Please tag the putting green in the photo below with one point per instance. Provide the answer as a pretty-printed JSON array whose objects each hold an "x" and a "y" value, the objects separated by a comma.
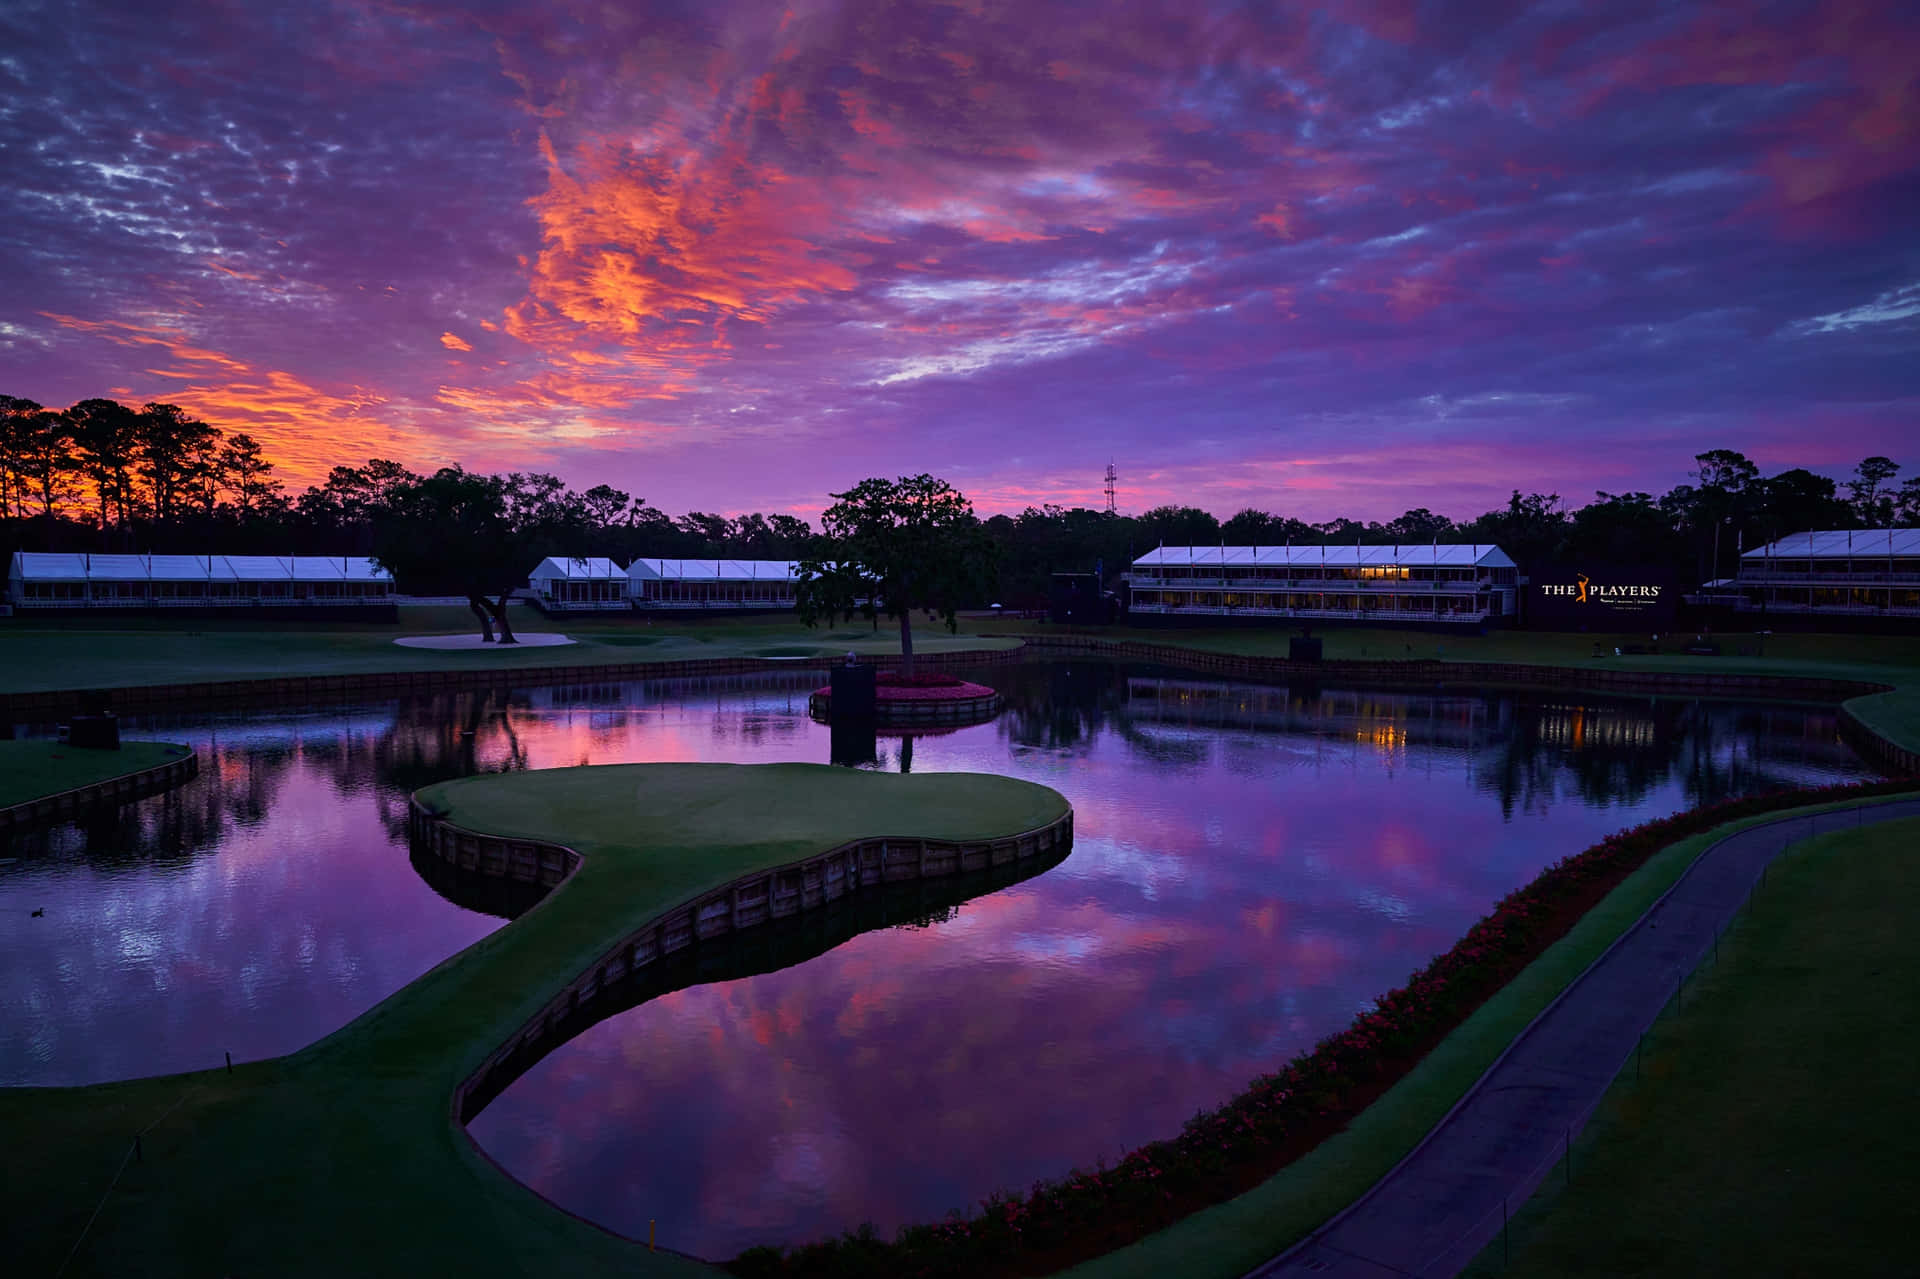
[{"x": 344, "y": 1158}]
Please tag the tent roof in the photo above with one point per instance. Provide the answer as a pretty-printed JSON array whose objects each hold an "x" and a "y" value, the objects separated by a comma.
[
  {"x": 578, "y": 568},
  {"x": 39, "y": 566},
  {"x": 713, "y": 570},
  {"x": 1839, "y": 544},
  {"x": 1413, "y": 555}
]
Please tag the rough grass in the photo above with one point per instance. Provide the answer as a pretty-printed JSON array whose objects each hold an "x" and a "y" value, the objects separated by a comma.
[
  {"x": 342, "y": 1158},
  {"x": 37, "y": 768},
  {"x": 1772, "y": 1129},
  {"x": 37, "y": 656},
  {"x": 1229, "y": 1239}
]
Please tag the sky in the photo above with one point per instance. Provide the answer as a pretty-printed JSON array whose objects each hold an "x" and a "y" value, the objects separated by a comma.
[{"x": 734, "y": 256}]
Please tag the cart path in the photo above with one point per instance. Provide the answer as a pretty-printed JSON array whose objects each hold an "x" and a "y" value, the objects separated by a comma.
[{"x": 1434, "y": 1212}]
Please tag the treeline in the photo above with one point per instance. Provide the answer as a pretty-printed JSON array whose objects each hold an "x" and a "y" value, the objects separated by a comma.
[{"x": 101, "y": 476}]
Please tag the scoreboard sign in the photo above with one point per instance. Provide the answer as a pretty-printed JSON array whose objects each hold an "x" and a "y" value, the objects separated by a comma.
[{"x": 1602, "y": 597}]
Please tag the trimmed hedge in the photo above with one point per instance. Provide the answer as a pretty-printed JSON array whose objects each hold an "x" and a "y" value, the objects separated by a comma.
[{"x": 1279, "y": 1116}]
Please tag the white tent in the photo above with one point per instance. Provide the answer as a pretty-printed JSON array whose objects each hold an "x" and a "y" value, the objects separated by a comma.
[
  {"x": 578, "y": 581},
  {"x": 669, "y": 583},
  {"x": 38, "y": 579}
]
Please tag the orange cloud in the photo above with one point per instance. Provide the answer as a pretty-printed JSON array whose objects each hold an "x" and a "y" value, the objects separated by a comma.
[
  {"x": 453, "y": 343},
  {"x": 306, "y": 430}
]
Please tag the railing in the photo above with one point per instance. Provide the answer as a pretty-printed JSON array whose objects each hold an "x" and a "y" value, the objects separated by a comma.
[
  {"x": 1749, "y": 576},
  {"x": 1410, "y": 614},
  {"x": 1862, "y": 610},
  {"x": 203, "y": 601},
  {"x": 1141, "y": 581}
]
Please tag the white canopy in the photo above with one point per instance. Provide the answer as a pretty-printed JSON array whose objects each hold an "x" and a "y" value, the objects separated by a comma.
[
  {"x": 1411, "y": 555},
  {"x": 578, "y": 568},
  {"x": 1840, "y": 544},
  {"x": 711, "y": 570},
  {"x": 43, "y": 566}
]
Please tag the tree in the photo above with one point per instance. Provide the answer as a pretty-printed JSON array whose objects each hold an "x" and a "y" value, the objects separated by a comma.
[
  {"x": 245, "y": 471},
  {"x": 894, "y": 547},
  {"x": 1179, "y": 526},
  {"x": 43, "y": 455},
  {"x": 172, "y": 446},
  {"x": 607, "y": 506},
  {"x": 478, "y": 534},
  {"x": 1906, "y": 504},
  {"x": 106, "y": 437},
  {"x": 1418, "y": 525},
  {"x": 1872, "y": 509}
]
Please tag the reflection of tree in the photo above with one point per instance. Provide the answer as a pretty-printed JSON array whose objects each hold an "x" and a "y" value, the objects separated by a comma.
[
  {"x": 1057, "y": 705},
  {"x": 442, "y": 736}
]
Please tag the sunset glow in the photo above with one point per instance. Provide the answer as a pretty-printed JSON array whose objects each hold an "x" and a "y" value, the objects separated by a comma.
[{"x": 731, "y": 256}]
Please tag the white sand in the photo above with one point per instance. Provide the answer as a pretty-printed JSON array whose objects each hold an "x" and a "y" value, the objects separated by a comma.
[{"x": 471, "y": 639}]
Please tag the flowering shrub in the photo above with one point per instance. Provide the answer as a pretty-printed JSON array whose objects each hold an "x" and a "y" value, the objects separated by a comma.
[
  {"x": 1282, "y": 1115},
  {"x": 925, "y": 679}
]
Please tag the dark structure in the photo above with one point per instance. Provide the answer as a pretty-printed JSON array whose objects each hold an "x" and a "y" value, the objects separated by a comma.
[
  {"x": 1077, "y": 600},
  {"x": 1592, "y": 596}
]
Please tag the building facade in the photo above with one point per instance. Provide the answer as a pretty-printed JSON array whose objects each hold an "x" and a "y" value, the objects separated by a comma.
[
  {"x": 565, "y": 583},
  {"x": 55, "y": 580},
  {"x": 1460, "y": 584},
  {"x": 1843, "y": 573},
  {"x": 743, "y": 585}
]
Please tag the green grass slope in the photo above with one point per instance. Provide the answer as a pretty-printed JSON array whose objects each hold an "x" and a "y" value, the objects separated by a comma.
[
  {"x": 36, "y": 768},
  {"x": 342, "y": 1158},
  {"x": 1772, "y": 1128}
]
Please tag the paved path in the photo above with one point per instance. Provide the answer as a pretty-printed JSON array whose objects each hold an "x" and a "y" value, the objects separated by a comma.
[{"x": 1443, "y": 1203}]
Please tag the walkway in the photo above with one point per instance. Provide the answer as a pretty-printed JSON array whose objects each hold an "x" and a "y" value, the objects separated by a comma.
[{"x": 1446, "y": 1201}]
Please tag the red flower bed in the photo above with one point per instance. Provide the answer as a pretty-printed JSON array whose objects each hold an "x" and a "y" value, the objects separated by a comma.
[
  {"x": 926, "y": 679},
  {"x": 1280, "y": 1116}
]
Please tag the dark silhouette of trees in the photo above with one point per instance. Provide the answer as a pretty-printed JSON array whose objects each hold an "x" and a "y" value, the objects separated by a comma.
[{"x": 895, "y": 547}]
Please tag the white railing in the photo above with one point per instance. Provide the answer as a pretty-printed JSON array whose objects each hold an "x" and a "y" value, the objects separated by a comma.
[{"x": 1387, "y": 614}]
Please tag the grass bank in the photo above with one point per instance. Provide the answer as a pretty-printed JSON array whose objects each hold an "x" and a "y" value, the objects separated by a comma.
[
  {"x": 1229, "y": 1239},
  {"x": 36, "y": 768},
  {"x": 1771, "y": 1130},
  {"x": 38, "y": 656},
  {"x": 342, "y": 1158}
]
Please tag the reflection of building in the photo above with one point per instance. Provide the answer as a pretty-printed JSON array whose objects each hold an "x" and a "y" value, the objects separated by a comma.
[
  {"x": 1381, "y": 719},
  {"x": 1457, "y": 583},
  {"x": 571, "y": 583},
  {"x": 716, "y": 584},
  {"x": 78, "y": 581},
  {"x": 1857, "y": 572}
]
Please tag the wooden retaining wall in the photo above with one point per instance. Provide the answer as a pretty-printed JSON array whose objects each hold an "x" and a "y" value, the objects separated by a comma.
[
  {"x": 114, "y": 791},
  {"x": 752, "y": 899},
  {"x": 1889, "y": 757},
  {"x": 302, "y": 690}
]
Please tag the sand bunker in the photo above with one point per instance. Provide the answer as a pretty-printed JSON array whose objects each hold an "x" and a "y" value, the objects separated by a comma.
[{"x": 471, "y": 639}]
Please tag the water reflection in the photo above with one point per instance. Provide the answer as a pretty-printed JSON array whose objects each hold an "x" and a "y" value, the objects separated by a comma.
[{"x": 1250, "y": 865}]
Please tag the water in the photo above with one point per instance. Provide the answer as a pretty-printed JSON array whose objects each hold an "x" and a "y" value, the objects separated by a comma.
[{"x": 1251, "y": 866}]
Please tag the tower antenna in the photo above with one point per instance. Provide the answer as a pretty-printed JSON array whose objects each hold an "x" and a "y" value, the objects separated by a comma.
[{"x": 1112, "y": 476}]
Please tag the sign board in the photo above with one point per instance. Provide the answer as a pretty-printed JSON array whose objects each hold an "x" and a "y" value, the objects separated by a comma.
[{"x": 1577, "y": 596}]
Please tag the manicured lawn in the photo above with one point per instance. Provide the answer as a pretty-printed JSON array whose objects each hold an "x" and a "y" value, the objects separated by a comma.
[
  {"x": 1226, "y": 1241},
  {"x": 36, "y": 768},
  {"x": 1773, "y": 1128},
  {"x": 341, "y": 1158},
  {"x": 90, "y": 653}
]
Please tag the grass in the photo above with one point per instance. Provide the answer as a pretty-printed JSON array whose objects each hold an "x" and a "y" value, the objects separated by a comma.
[
  {"x": 38, "y": 768},
  {"x": 1772, "y": 1130},
  {"x": 125, "y": 653},
  {"x": 341, "y": 1158},
  {"x": 1229, "y": 1239}
]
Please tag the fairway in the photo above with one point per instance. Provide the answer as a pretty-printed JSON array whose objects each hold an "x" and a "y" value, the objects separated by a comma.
[{"x": 1772, "y": 1130}]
